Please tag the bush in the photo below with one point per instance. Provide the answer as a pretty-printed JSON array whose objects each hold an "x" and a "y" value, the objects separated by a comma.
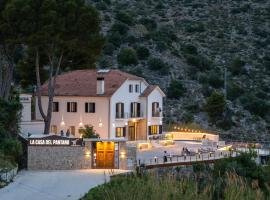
[
  {"x": 115, "y": 38},
  {"x": 176, "y": 89},
  {"x": 236, "y": 66},
  {"x": 156, "y": 64},
  {"x": 108, "y": 48},
  {"x": 127, "y": 56},
  {"x": 189, "y": 49},
  {"x": 150, "y": 24},
  {"x": 200, "y": 62},
  {"x": 187, "y": 118},
  {"x": 88, "y": 132},
  {"x": 215, "y": 80},
  {"x": 215, "y": 106},
  {"x": 142, "y": 52},
  {"x": 124, "y": 17},
  {"x": 234, "y": 91},
  {"x": 255, "y": 105},
  {"x": 120, "y": 28}
]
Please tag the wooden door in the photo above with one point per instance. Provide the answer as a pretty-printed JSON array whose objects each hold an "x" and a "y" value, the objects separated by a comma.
[{"x": 105, "y": 155}]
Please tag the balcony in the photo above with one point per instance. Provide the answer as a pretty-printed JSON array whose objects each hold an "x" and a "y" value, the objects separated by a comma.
[
  {"x": 121, "y": 115},
  {"x": 156, "y": 114},
  {"x": 136, "y": 115}
]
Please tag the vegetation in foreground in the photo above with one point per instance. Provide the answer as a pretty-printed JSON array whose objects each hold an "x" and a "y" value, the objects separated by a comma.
[{"x": 230, "y": 179}]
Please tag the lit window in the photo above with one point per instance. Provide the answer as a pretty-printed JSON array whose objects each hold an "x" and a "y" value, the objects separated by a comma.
[
  {"x": 154, "y": 129},
  {"x": 90, "y": 107},
  {"x": 71, "y": 106},
  {"x": 120, "y": 131},
  {"x": 55, "y": 107}
]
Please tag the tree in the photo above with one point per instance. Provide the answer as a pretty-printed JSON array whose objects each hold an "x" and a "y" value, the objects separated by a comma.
[
  {"x": 142, "y": 52},
  {"x": 88, "y": 132},
  {"x": 8, "y": 53},
  {"x": 127, "y": 56},
  {"x": 176, "y": 89},
  {"x": 215, "y": 106},
  {"x": 56, "y": 33}
]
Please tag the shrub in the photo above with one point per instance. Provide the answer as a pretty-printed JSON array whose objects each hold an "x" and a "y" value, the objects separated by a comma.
[
  {"x": 150, "y": 24},
  {"x": 255, "y": 105},
  {"x": 215, "y": 105},
  {"x": 236, "y": 66},
  {"x": 187, "y": 118},
  {"x": 124, "y": 17},
  {"x": 215, "y": 80},
  {"x": 127, "y": 56},
  {"x": 189, "y": 49},
  {"x": 120, "y": 28},
  {"x": 142, "y": 52},
  {"x": 200, "y": 62},
  {"x": 156, "y": 64},
  {"x": 115, "y": 38},
  {"x": 108, "y": 48},
  {"x": 88, "y": 132},
  {"x": 176, "y": 89},
  {"x": 234, "y": 91}
]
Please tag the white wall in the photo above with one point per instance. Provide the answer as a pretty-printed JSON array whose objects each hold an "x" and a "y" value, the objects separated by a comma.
[
  {"x": 122, "y": 95},
  {"x": 32, "y": 127},
  {"x": 74, "y": 118},
  {"x": 155, "y": 96},
  {"x": 25, "y": 100}
]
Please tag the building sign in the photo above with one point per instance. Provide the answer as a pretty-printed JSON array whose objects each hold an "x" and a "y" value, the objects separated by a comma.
[{"x": 55, "y": 140}]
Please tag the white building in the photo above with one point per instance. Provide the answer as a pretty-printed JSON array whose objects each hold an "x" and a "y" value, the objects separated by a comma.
[{"x": 115, "y": 103}]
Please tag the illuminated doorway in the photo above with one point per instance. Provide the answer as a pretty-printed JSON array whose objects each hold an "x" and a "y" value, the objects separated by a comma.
[{"x": 104, "y": 155}]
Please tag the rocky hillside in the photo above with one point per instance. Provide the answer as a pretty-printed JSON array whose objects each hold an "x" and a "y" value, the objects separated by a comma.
[{"x": 189, "y": 47}]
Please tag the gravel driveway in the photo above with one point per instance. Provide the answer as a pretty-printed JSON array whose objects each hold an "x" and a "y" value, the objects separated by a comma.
[{"x": 54, "y": 185}]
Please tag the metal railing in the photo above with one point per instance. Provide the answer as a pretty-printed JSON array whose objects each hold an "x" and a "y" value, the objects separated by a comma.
[
  {"x": 156, "y": 114},
  {"x": 136, "y": 115},
  {"x": 182, "y": 159}
]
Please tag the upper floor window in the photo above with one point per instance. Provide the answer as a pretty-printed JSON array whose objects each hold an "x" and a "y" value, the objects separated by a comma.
[
  {"x": 90, "y": 107},
  {"x": 71, "y": 106},
  {"x": 55, "y": 107},
  {"x": 155, "y": 109},
  {"x": 130, "y": 88},
  {"x": 135, "y": 109},
  {"x": 119, "y": 110},
  {"x": 137, "y": 88}
]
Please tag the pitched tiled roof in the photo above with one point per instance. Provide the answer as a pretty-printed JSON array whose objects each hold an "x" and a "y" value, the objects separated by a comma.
[
  {"x": 149, "y": 90},
  {"x": 84, "y": 82}
]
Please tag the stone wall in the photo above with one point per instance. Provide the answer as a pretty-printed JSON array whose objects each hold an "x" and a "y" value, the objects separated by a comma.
[{"x": 58, "y": 158}]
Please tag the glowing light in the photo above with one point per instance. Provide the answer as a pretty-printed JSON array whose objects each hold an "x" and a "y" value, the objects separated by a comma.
[
  {"x": 149, "y": 123},
  {"x": 126, "y": 123},
  {"x": 62, "y": 122},
  {"x": 113, "y": 124},
  {"x": 122, "y": 155},
  {"x": 87, "y": 153},
  {"x": 100, "y": 124}
]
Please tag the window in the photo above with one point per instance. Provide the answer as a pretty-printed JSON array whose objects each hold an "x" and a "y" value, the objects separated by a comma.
[
  {"x": 135, "y": 109},
  {"x": 137, "y": 88},
  {"x": 130, "y": 88},
  {"x": 120, "y": 132},
  {"x": 55, "y": 107},
  {"x": 72, "y": 130},
  {"x": 155, "y": 109},
  {"x": 54, "y": 129},
  {"x": 90, "y": 107},
  {"x": 119, "y": 110},
  {"x": 155, "y": 129},
  {"x": 71, "y": 106}
]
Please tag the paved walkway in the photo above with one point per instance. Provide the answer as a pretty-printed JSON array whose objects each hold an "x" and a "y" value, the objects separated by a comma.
[{"x": 54, "y": 185}]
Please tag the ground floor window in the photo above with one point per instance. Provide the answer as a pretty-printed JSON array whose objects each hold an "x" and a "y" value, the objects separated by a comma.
[
  {"x": 154, "y": 129},
  {"x": 120, "y": 131}
]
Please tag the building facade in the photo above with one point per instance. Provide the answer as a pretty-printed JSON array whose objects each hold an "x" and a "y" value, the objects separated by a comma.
[{"x": 115, "y": 103}]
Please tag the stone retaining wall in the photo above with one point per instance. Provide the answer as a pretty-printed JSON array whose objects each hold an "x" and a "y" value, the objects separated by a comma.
[{"x": 58, "y": 158}]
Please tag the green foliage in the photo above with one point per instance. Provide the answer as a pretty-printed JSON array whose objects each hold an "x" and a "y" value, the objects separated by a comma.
[
  {"x": 88, "y": 132},
  {"x": 150, "y": 24},
  {"x": 176, "y": 89},
  {"x": 255, "y": 105},
  {"x": 55, "y": 28},
  {"x": 157, "y": 64},
  {"x": 201, "y": 62},
  {"x": 124, "y": 17},
  {"x": 189, "y": 49},
  {"x": 187, "y": 118},
  {"x": 236, "y": 66},
  {"x": 120, "y": 28},
  {"x": 108, "y": 48},
  {"x": 215, "y": 105},
  {"x": 10, "y": 147},
  {"x": 142, "y": 52},
  {"x": 127, "y": 56},
  {"x": 234, "y": 91}
]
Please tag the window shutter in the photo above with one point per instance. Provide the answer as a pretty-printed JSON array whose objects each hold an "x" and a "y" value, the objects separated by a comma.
[
  {"x": 68, "y": 106},
  {"x": 94, "y": 107},
  {"x": 160, "y": 129},
  {"x": 124, "y": 131},
  {"x": 75, "y": 106},
  {"x": 86, "y": 107},
  {"x": 131, "y": 108},
  {"x": 139, "y": 109},
  {"x": 122, "y": 109},
  {"x": 149, "y": 130},
  {"x": 153, "y": 108}
]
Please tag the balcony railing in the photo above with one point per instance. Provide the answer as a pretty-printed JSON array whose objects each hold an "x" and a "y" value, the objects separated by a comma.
[
  {"x": 121, "y": 115},
  {"x": 156, "y": 114},
  {"x": 136, "y": 115}
]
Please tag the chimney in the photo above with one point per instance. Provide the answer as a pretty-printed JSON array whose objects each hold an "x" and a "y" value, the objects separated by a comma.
[{"x": 100, "y": 85}]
